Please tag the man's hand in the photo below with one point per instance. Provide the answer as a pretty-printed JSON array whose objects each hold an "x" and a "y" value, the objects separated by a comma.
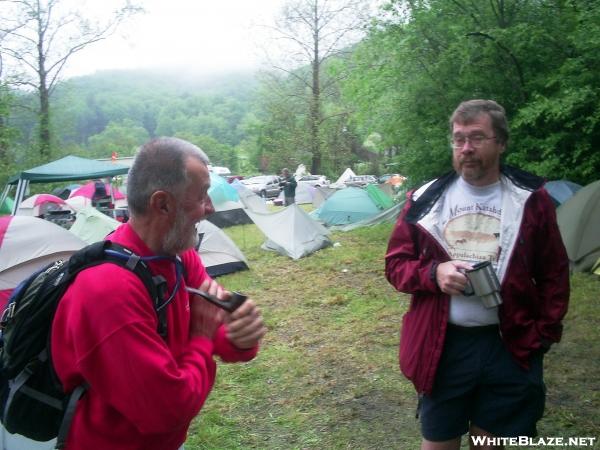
[
  {"x": 205, "y": 317},
  {"x": 245, "y": 327},
  {"x": 449, "y": 278}
]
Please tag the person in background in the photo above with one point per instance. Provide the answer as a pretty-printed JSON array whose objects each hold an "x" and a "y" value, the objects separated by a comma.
[
  {"x": 478, "y": 370},
  {"x": 144, "y": 390},
  {"x": 288, "y": 183}
]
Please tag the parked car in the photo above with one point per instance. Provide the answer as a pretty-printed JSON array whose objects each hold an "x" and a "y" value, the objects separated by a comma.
[
  {"x": 267, "y": 186},
  {"x": 314, "y": 180},
  {"x": 361, "y": 180}
]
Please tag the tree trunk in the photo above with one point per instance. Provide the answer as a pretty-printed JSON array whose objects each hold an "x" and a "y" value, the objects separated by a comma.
[{"x": 315, "y": 101}]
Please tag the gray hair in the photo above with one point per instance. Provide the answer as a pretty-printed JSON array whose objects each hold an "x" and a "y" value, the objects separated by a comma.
[
  {"x": 159, "y": 164},
  {"x": 468, "y": 111}
]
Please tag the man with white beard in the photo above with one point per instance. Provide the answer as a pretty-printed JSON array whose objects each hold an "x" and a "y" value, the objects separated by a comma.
[{"x": 144, "y": 389}]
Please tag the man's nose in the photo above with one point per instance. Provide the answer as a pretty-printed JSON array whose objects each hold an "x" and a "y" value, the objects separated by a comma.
[{"x": 209, "y": 208}]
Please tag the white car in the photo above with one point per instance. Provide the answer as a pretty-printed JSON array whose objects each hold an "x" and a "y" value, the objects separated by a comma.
[
  {"x": 267, "y": 186},
  {"x": 314, "y": 180}
]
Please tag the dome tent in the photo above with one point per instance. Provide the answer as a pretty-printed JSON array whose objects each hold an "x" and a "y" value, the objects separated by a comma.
[
  {"x": 346, "y": 206},
  {"x": 579, "y": 221}
]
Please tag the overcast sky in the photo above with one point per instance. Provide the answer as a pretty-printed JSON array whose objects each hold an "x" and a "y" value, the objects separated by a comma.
[{"x": 206, "y": 35}]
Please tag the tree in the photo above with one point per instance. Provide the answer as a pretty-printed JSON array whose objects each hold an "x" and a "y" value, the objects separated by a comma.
[
  {"x": 315, "y": 31},
  {"x": 40, "y": 36},
  {"x": 535, "y": 58}
]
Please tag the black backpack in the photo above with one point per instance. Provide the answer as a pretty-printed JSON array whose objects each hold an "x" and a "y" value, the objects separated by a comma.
[{"x": 32, "y": 400}]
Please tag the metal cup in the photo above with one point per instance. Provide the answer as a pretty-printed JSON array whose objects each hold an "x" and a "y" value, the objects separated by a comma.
[{"x": 484, "y": 283}]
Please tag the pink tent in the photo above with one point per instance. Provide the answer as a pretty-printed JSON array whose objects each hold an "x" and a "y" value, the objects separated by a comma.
[
  {"x": 40, "y": 204},
  {"x": 28, "y": 244},
  {"x": 88, "y": 190}
]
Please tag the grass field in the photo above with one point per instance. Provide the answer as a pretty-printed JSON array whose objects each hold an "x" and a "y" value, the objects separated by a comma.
[{"x": 327, "y": 375}]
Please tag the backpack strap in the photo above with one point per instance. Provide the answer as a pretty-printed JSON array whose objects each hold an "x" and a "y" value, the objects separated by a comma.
[
  {"x": 100, "y": 253},
  {"x": 65, "y": 425}
]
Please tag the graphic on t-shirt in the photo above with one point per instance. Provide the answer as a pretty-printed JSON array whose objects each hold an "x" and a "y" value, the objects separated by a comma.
[{"x": 473, "y": 237}]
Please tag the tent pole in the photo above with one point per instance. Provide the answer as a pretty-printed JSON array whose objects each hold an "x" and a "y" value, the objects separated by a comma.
[{"x": 21, "y": 189}]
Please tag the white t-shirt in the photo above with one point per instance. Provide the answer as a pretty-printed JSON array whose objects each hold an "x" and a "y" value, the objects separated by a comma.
[{"x": 470, "y": 226}]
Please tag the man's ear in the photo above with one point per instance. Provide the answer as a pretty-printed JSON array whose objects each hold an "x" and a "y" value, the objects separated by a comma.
[{"x": 162, "y": 203}]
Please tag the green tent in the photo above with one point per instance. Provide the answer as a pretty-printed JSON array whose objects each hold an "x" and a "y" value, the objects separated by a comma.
[
  {"x": 579, "y": 223},
  {"x": 380, "y": 198},
  {"x": 69, "y": 168},
  {"x": 6, "y": 206}
]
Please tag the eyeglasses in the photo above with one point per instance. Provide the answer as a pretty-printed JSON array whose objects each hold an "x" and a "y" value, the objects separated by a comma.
[{"x": 476, "y": 140}]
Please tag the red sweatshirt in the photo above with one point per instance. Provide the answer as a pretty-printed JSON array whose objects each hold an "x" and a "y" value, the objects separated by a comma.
[{"x": 144, "y": 392}]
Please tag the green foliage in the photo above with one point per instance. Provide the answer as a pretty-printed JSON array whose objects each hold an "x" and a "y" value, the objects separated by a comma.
[
  {"x": 122, "y": 138},
  {"x": 538, "y": 59}
]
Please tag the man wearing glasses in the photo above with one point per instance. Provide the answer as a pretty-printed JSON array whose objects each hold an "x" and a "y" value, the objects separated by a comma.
[{"x": 478, "y": 369}]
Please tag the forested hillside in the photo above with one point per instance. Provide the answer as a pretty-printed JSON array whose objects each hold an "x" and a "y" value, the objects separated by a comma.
[
  {"x": 117, "y": 111},
  {"x": 379, "y": 104}
]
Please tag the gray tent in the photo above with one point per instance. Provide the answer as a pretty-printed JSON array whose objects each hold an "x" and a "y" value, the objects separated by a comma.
[
  {"x": 579, "y": 222},
  {"x": 291, "y": 232},
  {"x": 69, "y": 168},
  {"x": 219, "y": 253}
]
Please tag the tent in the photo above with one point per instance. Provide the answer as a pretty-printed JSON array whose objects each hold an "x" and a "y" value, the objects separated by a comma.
[
  {"x": 304, "y": 195},
  {"x": 322, "y": 193},
  {"x": 561, "y": 190},
  {"x": 229, "y": 210},
  {"x": 340, "y": 182},
  {"x": 291, "y": 232},
  {"x": 220, "y": 190},
  {"x": 388, "y": 215},
  {"x": 92, "y": 226},
  {"x": 39, "y": 204},
  {"x": 69, "y": 168},
  {"x": 579, "y": 222},
  {"x": 228, "y": 214},
  {"x": 6, "y": 206},
  {"x": 88, "y": 190},
  {"x": 28, "y": 244},
  {"x": 346, "y": 206},
  {"x": 596, "y": 267},
  {"x": 379, "y": 197},
  {"x": 219, "y": 253},
  {"x": 249, "y": 199}
]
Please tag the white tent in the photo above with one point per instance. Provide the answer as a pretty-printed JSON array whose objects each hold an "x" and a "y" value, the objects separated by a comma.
[
  {"x": 219, "y": 253},
  {"x": 28, "y": 244},
  {"x": 348, "y": 173},
  {"x": 92, "y": 226},
  {"x": 304, "y": 194},
  {"x": 39, "y": 204},
  {"x": 291, "y": 232},
  {"x": 249, "y": 199}
]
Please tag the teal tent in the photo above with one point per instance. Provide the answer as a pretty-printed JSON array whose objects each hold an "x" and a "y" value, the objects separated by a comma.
[
  {"x": 69, "y": 168},
  {"x": 220, "y": 190},
  {"x": 346, "y": 206}
]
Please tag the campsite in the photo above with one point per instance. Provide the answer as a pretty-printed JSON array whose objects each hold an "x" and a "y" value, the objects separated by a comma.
[
  {"x": 327, "y": 375},
  {"x": 372, "y": 106}
]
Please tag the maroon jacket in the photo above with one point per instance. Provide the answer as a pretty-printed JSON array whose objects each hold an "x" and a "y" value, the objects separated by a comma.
[{"x": 533, "y": 271}]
